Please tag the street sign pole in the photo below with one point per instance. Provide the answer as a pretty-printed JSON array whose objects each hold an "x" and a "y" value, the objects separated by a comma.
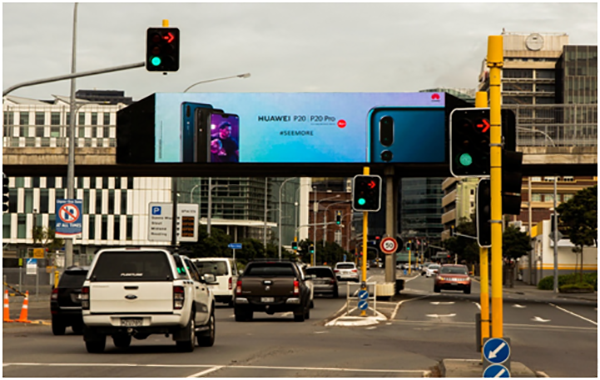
[
  {"x": 363, "y": 313},
  {"x": 495, "y": 62}
]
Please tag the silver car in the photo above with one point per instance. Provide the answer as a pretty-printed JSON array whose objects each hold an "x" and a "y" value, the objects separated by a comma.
[
  {"x": 346, "y": 271},
  {"x": 324, "y": 280}
]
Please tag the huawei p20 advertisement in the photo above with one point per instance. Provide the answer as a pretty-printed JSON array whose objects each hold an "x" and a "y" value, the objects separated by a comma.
[{"x": 283, "y": 128}]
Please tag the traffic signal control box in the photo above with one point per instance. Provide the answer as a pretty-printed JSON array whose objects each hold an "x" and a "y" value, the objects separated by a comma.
[
  {"x": 162, "y": 49},
  {"x": 366, "y": 193}
]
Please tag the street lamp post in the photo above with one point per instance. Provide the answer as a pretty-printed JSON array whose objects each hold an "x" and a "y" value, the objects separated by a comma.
[
  {"x": 246, "y": 75},
  {"x": 209, "y": 213},
  {"x": 279, "y": 227},
  {"x": 325, "y": 219}
]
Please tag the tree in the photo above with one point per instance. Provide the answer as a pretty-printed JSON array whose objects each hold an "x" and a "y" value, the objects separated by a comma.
[
  {"x": 515, "y": 243},
  {"x": 579, "y": 216},
  {"x": 466, "y": 248},
  {"x": 46, "y": 237}
]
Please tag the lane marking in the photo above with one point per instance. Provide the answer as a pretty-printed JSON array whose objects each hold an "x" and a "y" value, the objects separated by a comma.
[
  {"x": 205, "y": 372},
  {"x": 401, "y": 302},
  {"x": 513, "y": 325},
  {"x": 371, "y": 328},
  {"x": 577, "y": 315},
  {"x": 440, "y": 315},
  {"x": 442, "y": 303},
  {"x": 519, "y": 306},
  {"x": 538, "y": 319},
  {"x": 541, "y": 374},
  {"x": 478, "y": 305},
  {"x": 321, "y": 332},
  {"x": 214, "y": 367}
]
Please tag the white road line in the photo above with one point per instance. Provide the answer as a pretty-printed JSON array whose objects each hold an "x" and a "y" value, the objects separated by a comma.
[
  {"x": 321, "y": 332},
  {"x": 519, "y": 306},
  {"x": 371, "y": 328},
  {"x": 214, "y": 367},
  {"x": 440, "y": 315},
  {"x": 205, "y": 372},
  {"x": 577, "y": 315},
  {"x": 541, "y": 374},
  {"x": 539, "y": 319},
  {"x": 400, "y": 303},
  {"x": 478, "y": 305},
  {"x": 442, "y": 303},
  {"x": 508, "y": 325}
]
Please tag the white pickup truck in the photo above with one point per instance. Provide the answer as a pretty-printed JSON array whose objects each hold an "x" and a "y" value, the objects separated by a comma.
[{"x": 135, "y": 292}]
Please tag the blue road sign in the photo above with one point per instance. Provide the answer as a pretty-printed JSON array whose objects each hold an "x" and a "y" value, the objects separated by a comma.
[
  {"x": 496, "y": 370},
  {"x": 362, "y": 305},
  {"x": 69, "y": 221},
  {"x": 344, "y": 257},
  {"x": 235, "y": 245},
  {"x": 156, "y": 210},
  {"x": 363, "y": 294},
  {"x": 496, "y": 350}
]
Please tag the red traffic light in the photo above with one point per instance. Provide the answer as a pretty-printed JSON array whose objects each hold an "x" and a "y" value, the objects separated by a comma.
[{"x": 484, "y": 125}]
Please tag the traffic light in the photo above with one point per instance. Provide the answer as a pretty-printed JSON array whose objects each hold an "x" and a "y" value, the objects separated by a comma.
[
  {"x": 5, "y": 197},
  {"x": 312, "y": 249},
  {"x": 162, "y": 49},
  {"x": 295, "y": 245},
  {"x": 470, "y": 142},
  {"x": 338, "y": 217},
  {"x": 512, "y": 175},
  {"x": 366, "y": 193},
  {"x": 483, "y": 214}
]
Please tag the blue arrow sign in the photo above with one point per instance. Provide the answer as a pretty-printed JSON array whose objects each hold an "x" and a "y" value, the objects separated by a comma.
[
  {"x": 362, "y": 305},
  {"x": 363, "y": 294},
  {"x": 235, "y": 245},
  {"x": 496, "y": 370},
  {"x": 496, "y": 350}
]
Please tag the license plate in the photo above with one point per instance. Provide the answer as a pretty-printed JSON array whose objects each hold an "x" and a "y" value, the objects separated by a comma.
[
  {"x": 131, "y": 322},
  {"x": 267, "y": 299}
]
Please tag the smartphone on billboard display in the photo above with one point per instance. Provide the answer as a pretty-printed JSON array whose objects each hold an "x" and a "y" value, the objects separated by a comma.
[
  {"x": 188, "y": 129},
  {"x": 224, "y": 145},
  {"x": 203, "y": 128},
  {"x": 407, "y": 134}
]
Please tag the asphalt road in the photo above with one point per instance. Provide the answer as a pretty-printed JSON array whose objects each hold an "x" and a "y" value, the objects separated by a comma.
[{"x": 557, "y": 338}]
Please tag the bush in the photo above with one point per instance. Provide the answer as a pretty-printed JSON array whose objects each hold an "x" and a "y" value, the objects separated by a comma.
[
  {"x": 578, "y": 286},
  {"x": 547, "y": 283}
]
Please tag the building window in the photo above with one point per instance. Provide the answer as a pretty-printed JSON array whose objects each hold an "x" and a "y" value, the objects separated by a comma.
[
  {"x": 44, "y": 201},
  {"x": 12, "y": 204},
  {"x": 548, "y": 197},
  {"x": 105, "y": 182},
  {"x": 517, "y": 73},
  {"x": 544, "y": 87},
  {"x": 35, "y": 182},
  {"x": 548, "y": 179},
  {"x": 92, "y": 228},
  {"x": 106, "y": 120},
  {"x": 124, "y": 202},
  {"x": 81, "y": 118},
  {"x": 9, "y": 118},
  {"x": 117, "y": 228},
  {"x": 6, "y": 226},
  {"x": 39, "y": 118},
  {"x": 98, "y": 201},
  {"x": 94, "y": 118},
  {"x": 67, "y": 118},
  {"x": 568, "y": 179},
  {"x": 130, "y": 183},
  {"x": 50, "y": 182},
  {"x": 517, "y": 87},
  {"x": 28, "y": 201},
  {"x": 536, "y": 179},
  {"x": 117, "y": 182},
  {"x": 86, "y": 201},
  {"x": 92, "y": 182},
  {"x": 104, "y": 228},
  {"x": 129, "y": 228},
  {"x": 111, "y": 201},
  {"x": 567, "y": 197},
  {"x": 544, "y": 74},
  {"x": 21, "y": 227},
  {"x": 535, "y": 197}
]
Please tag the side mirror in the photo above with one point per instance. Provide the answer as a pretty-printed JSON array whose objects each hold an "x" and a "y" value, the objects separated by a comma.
[
  {"x": 241, "y": 272},
  {"x": 209, "y": 278}
]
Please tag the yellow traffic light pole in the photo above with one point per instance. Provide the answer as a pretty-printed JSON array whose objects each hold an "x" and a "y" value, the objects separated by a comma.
[
  {"x": 495, "y": 61},
  {"x": 363, "y": 313},
  {"x": 484, "y": 295}
]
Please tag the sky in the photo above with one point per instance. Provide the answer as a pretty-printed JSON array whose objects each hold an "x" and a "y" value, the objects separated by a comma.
[{"x": 286, "y": 47}]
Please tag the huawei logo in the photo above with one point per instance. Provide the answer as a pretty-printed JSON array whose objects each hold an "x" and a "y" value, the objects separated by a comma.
[{"x": 435, "y": 97}]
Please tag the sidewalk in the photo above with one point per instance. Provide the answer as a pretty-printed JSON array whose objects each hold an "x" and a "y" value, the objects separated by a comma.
[{"x": 522, "y": 289}]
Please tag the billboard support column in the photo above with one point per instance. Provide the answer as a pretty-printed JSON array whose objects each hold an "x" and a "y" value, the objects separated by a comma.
[{"x": 390, "y": 222}]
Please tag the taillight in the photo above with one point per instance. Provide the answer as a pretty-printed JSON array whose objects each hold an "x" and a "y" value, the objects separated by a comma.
[
  {"x": 54, "y": 294},
  {"x": 230, "y": 283},
  {"x": 296, "y": 287},
  {"x": 238, "y": 288},
  {"x": 354, "y": 270},
  {"x": 178, "y": 297},
  {"x": 332, "y": 281},
  {"x": 85, "y": 298},
  {"x": 336, "y": 270}
]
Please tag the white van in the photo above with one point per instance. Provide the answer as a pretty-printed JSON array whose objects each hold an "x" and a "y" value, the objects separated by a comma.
[{"x": 225, "y": 271}]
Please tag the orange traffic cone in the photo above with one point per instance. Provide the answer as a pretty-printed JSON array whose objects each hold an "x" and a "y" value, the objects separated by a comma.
[
  {"x": 24, "y": 309},
  {"x": 6, "y": 310}
]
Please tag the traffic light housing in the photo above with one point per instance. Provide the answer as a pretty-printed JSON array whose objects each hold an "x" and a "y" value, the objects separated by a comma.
[
  {"x": 483, "y": 213},
  {"x": 5, "y": 196},
  {"x": 295, "y": 245},
  {"x": 338, "y": 217},
  {"x": 512, "y": 161},
  {"x": 470, "y": 142},
  {"x": 162, "y": 49},
  {"x": 366, "y": 193},
  {"x": 312, "y": 249}
]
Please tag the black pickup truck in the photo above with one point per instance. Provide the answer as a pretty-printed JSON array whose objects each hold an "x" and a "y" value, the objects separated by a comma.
[{"x": 273, "y": 287}]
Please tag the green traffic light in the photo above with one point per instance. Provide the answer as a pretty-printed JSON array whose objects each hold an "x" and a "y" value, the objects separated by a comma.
[
  {"x": 362, "y": 201},
  {"x": 155, "y": 61},
  {"x": 465, "y": 159}
]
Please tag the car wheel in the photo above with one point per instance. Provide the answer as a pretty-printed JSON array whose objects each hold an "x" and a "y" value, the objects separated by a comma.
[
  {"x": 207, "y": 338},
  {"x": 188, "y": 344},
  {"x": 307, "y": 316},
  {"x": 312, "y": 304},
  {"x": 436, "y": 289},
  {"x": 58, "y": 327},
  {"x": 122, "y": 340},
  {"x": 77, "y": 328},
  {"x": 96, "y": 346},
  {"x": 335, "y": 293},
  {"x": 468, "y": 290},
  {"x": 300, "y": 316}
]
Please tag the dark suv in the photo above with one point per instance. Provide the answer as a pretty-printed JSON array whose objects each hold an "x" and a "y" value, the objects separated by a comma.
[{"x": 65, "y": 304}]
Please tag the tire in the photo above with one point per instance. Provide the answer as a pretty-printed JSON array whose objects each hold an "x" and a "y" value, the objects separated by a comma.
[
  {"x": 307, "y": 316},
  {"x": 189, "y": 344},
  {"x": 207, "y": 338},
  {"x": 468, "y": 290},
  {"x": 436, "y": 289},
  {"x": 58, "y": 327},
  {"x": 335, "y": 293},
  {"x": 300, "y": 316},
  {"x": 312, "y": 304},
  {"x": 95, "y": 346},
  {"x": 122, "y": 341},
  {"x": 77, "y": 328}
]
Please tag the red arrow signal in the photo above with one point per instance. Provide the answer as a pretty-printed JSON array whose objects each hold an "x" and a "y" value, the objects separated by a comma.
[
  {"x": 485, "y": 127},
  {"x": 169, "y": 37},
  {"x": 371, "y": 184}
]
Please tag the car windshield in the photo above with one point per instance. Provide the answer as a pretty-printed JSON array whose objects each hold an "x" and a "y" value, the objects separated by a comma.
[
  {"x": 453, "y": 270},
  {"x": 433, "y": 266},
  {"x": 218, "y": 268},
  {"x": 132, "y": 266},
  {"x": 268, "y": 270},
  {"x": 345, "y": 266},
  {"x": 320, "y": 272}
]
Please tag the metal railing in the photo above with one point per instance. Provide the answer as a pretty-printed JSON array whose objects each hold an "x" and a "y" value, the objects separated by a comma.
[{"x": 371, "y": 288}]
